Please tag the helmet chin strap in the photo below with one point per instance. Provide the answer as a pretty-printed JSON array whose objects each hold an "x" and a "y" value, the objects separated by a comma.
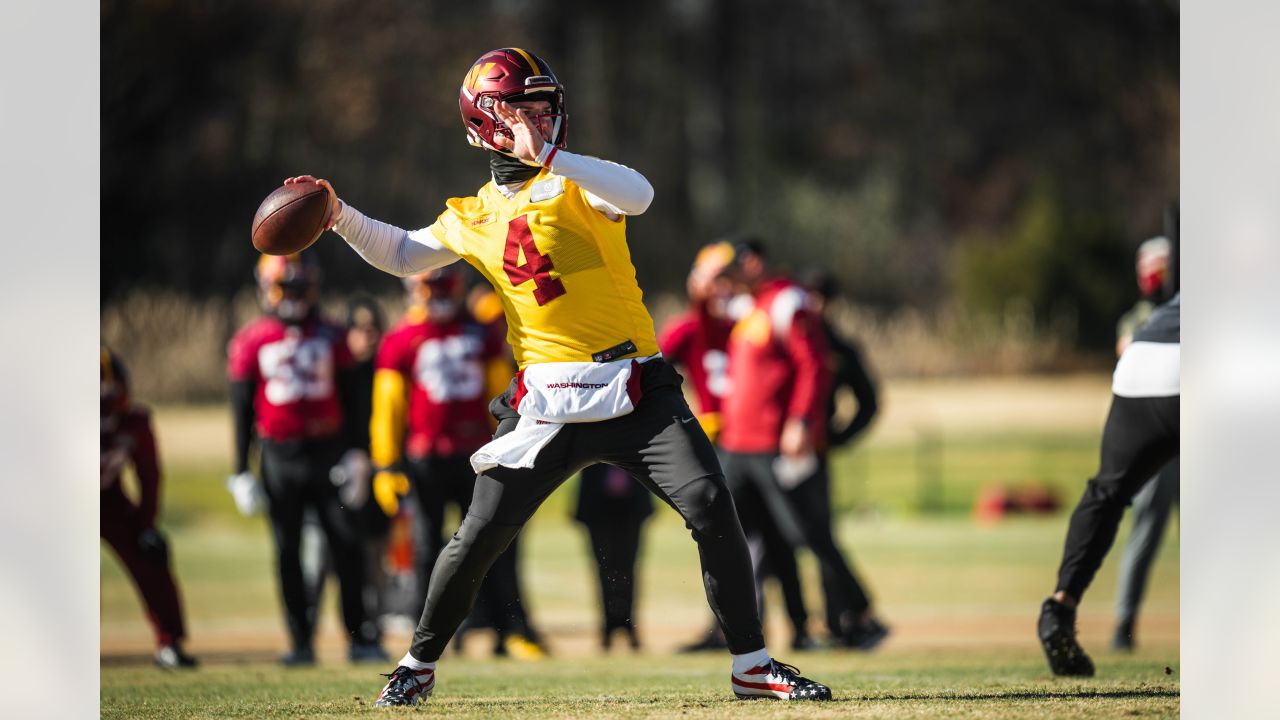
[{"x": 507, "y": 169}]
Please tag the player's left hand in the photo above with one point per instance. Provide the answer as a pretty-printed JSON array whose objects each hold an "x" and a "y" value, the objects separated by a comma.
[
  {"x": 388, "y": 487},
  {"x": 247, "y": 493},
  {"x": 795, "y": 441},
  {"x": 528, "y": 141},
  {"x": 351, "y": 477}
]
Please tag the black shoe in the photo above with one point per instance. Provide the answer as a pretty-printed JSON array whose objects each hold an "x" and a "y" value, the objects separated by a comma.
[
  {"x": 713, "y": 641},
  {"x": 299, "y": 657},
  {"x": 406, "y": 686},
  {"x": 865, "y": 636},
  {"x": 1122, "y": 641},
  {"x": 633, "y": 640},
  {"x": 777, "y": 681},
  {"x": 803, "y": 642},
  {"x": 1057, "y": 630},
  {"x": 361, "y": 652},
  {"x": 171, "y": 657}
]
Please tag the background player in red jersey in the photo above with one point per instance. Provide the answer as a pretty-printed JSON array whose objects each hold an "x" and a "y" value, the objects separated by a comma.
[
  {"x": 698, "y": 338},
  {"x": 698, "y": 341},
  {"x": 290, "y": 382},
  {"x": 129, "y": 528},
  {"x": 434, "y": 374},
  {"x": 775, "y": 430}
]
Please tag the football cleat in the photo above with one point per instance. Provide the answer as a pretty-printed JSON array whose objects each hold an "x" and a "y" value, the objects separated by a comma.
[
  {"x": 865, "y": 636},
  {"x": 803, "y": 642},
  {"x": 1122, "y": 641},
  {"x": 361, "y": 652},
  {"x": 520, "y": 647},
  {"x": 171, "y": 657},
  {"x": 299, "y": 657},
  {"x": 712, "y": 641},
  {"x": 1057, "y": 630},
  {"x": 406, "y": 686},
  {"x": 777, "y": 681}
]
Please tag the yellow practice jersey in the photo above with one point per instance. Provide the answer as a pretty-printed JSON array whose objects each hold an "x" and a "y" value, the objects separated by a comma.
[{"x": 561, "y": 269}]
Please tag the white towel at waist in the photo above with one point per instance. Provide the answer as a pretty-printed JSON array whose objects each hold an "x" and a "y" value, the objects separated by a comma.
[
  {"x": 518, "y": 448},
  {"x": 549, "y": 395}
]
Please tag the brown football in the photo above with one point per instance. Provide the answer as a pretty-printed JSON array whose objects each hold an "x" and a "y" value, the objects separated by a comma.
[{"x": 291, "y": 218}]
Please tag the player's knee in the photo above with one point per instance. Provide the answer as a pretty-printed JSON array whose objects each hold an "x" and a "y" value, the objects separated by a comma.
[
  {"x": 708, "y": 507},
  {"x": 479, "y": 536}
]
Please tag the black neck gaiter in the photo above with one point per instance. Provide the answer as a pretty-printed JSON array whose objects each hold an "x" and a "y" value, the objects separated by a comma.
[{"x": 507, "y": 170}]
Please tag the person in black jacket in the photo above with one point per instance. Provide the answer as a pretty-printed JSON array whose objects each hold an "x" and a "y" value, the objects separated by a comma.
[
  {"x": 364, "y": 333},
  {"x": 613, "y": 508},
  {"x": 1142, "y": 434},
  {"x": 849, "y": 615}
]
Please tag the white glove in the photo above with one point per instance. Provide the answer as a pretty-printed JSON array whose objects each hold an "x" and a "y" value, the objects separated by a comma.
[
  {"x": 791, "y": 472},
  {"x": 247, "y": 492},
  {"x": 351, "y": 476}
]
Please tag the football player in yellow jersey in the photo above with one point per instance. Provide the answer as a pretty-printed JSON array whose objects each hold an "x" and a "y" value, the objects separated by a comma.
[{"x": 549, "y": 233}]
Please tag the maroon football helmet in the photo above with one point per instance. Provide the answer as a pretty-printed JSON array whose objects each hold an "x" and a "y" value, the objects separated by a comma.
[
  {"x": 114, "y": 385},
  {"x": 509, "y": 74},
  {"x": 288, "y": 285},
  {"x": 443, "y": 282}
]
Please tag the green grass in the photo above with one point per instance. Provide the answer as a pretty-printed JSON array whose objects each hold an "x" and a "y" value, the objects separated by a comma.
[
  {"x": 956, "y": 684},
  {"x": 961, "y": 599}
]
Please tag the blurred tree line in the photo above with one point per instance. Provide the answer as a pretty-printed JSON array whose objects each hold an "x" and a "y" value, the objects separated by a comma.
[{"x": 935, "y": 155}]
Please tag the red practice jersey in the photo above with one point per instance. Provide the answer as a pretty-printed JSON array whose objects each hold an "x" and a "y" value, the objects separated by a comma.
[
  {"x": 777, "y": 368},
  {"x": 131, "y": 442},
  {"x": 699, "y": 341},
  {"x": 295, "y": 371},
  {"x": 444, "y": 365}
]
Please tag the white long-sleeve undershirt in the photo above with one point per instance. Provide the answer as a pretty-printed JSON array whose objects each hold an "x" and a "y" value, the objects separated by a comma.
[
  {"x": 390, "y": 248},
  {"x": 612, "y": 189},
  {"x": 618, "y": 189}
]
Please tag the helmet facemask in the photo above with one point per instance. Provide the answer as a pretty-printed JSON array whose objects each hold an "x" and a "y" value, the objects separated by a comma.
[{"x": 288, "y": 286}]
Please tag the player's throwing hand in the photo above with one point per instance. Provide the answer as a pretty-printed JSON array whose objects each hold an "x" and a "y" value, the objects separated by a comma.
[{"x": 528, "y": 136}]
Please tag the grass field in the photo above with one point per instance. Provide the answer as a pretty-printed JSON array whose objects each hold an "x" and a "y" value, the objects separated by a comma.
[{"x": 961, "y": 598}]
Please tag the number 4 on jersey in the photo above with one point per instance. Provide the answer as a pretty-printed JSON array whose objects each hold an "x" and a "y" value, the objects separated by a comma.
[{"x": 536, "y": 267}]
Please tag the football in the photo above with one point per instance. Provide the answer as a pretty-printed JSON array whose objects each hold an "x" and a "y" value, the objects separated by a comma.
[{"x": 291, "y": 218}]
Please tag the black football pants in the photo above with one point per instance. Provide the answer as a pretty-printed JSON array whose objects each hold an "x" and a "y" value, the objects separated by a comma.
[
  {"x": 802, "y": 516},
  {"x": 616, "y": 547},
  {"x": 438, "y": 482},
  {"x": 1140, "y": 437},
  {"x": 295, "y": 475},
  {"x": 664, "y": 448}
]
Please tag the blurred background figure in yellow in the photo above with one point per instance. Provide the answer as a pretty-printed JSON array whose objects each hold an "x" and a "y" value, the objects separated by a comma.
[{"x": 129, "y": 527}]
